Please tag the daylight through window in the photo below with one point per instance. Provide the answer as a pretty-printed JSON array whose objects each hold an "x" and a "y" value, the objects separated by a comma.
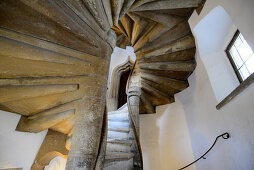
[{"x": 241, "y": 56}]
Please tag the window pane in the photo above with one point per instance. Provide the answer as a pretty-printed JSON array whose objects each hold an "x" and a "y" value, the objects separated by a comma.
[
  {"x": 237, "y": 59},
  {"x": 245, "y": 51},
  {"x": 241, "y": 36},
  {"x": 250, "y": 64},
  {"x": 238, "y": 42},
  {"x": 243, "y": 57},
  {"x": 244, "y": 72}
]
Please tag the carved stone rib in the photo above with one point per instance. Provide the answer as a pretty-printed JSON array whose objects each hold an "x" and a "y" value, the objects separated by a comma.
[
  {"x": 11, "y": 67},
  {"x": 147, "y": 103},
  {"x": 178, "y": 75},
  {"x": 107, "y": 7},
  {"x": 172, "y": 4},
  {"x": 140, "y": 25},
  {"x": 49, "y": 66},
  {"x": 164, "y": 81},
  {"x": 51, "y": 27},
  {"x": 156, "y": 92},
  {"x": 122, "y": 29},
  {"x": 128, "y": 25},
  {"x": 10, "y": 93},
  {"x": 126, "y": 5},
  {"x": 173, "y": 66},
  {"x": 116, "y": 8},
  {"x": 95, "y": 7},
  {"x": 171, "y": 57},
  {"x": 138, "y": 3},
  {"x": 86, "y": 14},
  {"x": 148, "y": 35},
  {"x": 163, "y": 18},
  {"x": 178, "y": 31},
  {"x": 41, "y": 123},
  {"x": 184, "y": 43}
]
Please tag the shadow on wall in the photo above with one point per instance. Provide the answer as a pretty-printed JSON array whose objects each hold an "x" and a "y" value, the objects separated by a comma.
[
  {"x": 208, "y": 84},
  {"x": 17, "y": 149},
  {"x": 198, "y": 103},
  {"x": 165, "y": 140},
  {"x": 213, "y": 34},
  {"x": 150, "y": 141}
]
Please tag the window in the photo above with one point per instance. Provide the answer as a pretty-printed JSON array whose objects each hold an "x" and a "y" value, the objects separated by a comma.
[{"x": 241, "y": 56}]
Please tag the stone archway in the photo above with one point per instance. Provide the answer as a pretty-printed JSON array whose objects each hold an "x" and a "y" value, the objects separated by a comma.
[{"x": 117, "y": 72}]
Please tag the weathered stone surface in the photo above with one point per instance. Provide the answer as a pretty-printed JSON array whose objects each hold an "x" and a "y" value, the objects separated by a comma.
[
  {"x": 54, "y": 59},
  {"x": 52, "y": 146}
]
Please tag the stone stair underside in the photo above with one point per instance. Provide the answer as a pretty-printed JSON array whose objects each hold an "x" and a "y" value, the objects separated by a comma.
[{"x": 50, "y": 52}]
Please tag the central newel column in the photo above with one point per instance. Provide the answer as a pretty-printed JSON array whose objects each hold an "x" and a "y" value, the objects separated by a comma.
[
  {"x": 86, "y": 138},
  {"x": 87, "y": 132},
  {"x": 134, "y": 93}
]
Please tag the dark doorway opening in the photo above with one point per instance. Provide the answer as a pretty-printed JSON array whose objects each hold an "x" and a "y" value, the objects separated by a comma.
[{"x": 122, "y": 97}]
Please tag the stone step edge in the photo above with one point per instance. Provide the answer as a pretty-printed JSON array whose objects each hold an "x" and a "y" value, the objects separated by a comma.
[{"x": 118, "y": 156}]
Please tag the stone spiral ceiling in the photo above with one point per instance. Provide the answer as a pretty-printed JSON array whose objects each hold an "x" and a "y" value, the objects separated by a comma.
[
  {"x": 55, "y": 53},
  {"x": 164, "y": 46}
]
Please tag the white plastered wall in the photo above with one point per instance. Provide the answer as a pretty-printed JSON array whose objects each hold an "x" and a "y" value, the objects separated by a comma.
[
  {"x": 165, "y": 139},
  {"x": 194, "y": 113},
  {"x": 17, "y": 149}
]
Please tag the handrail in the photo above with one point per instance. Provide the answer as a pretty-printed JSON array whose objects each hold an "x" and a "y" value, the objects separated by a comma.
[
  {"x": 224, "y": 136},
  {"x": 132, "y": 119}
]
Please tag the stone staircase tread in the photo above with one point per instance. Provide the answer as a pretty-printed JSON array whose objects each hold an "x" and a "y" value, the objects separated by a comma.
[
  {"x": 124, "y": 130},
  {"x": 117, "y": 141},
  {"x": 118, "y": 119},
  {"x": 118, "y": 156},
  {"x": 118, "y": 112}
]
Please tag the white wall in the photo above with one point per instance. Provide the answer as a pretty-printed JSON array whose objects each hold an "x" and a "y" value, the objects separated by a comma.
[
  {"x": 165, "y": 139},
  {"x": 205, "y": 122},
  {"x": 17, "y": 149},
  {"x": 198, "y": 117},
  {"x": 195, "y": 108},
  {"x": 213, "y": 34}
]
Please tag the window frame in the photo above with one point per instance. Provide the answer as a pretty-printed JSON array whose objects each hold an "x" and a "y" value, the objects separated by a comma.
[
  {"x": 237, "y": 33},
  {"x": 244, "y": 84}
]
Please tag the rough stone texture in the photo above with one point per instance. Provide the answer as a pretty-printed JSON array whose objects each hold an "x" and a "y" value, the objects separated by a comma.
[
  {"x": 54, "y": 59},
  {"x": 52, "y": 146},
  {"x": 119, "y": 145},
  {"x": 112, "y": 100}
]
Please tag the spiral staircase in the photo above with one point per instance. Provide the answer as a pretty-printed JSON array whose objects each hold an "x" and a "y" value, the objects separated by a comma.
[
  {"x": 120, "y": 141},
  {"x": 50, "y": 52}
]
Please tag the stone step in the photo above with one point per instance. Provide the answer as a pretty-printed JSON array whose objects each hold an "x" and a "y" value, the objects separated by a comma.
[
  {"x": 118, "y": 125},
  {"x": 122, "y": 115},
  {"x": 126, "y": 164},
  {"x": 118, "y": 112},
  {"x": 118, "y": 156},
  {"x": 125, "y": 129},
  {"x": 123, "y": 119},
  {"x": 118, "y": 135},
  {"x": 118, "y": 147},
  {"x": 117, "y": 141}
]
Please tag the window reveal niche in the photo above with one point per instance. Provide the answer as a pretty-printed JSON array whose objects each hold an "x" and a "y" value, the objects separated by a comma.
[{"x": 241, "y": 56}]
